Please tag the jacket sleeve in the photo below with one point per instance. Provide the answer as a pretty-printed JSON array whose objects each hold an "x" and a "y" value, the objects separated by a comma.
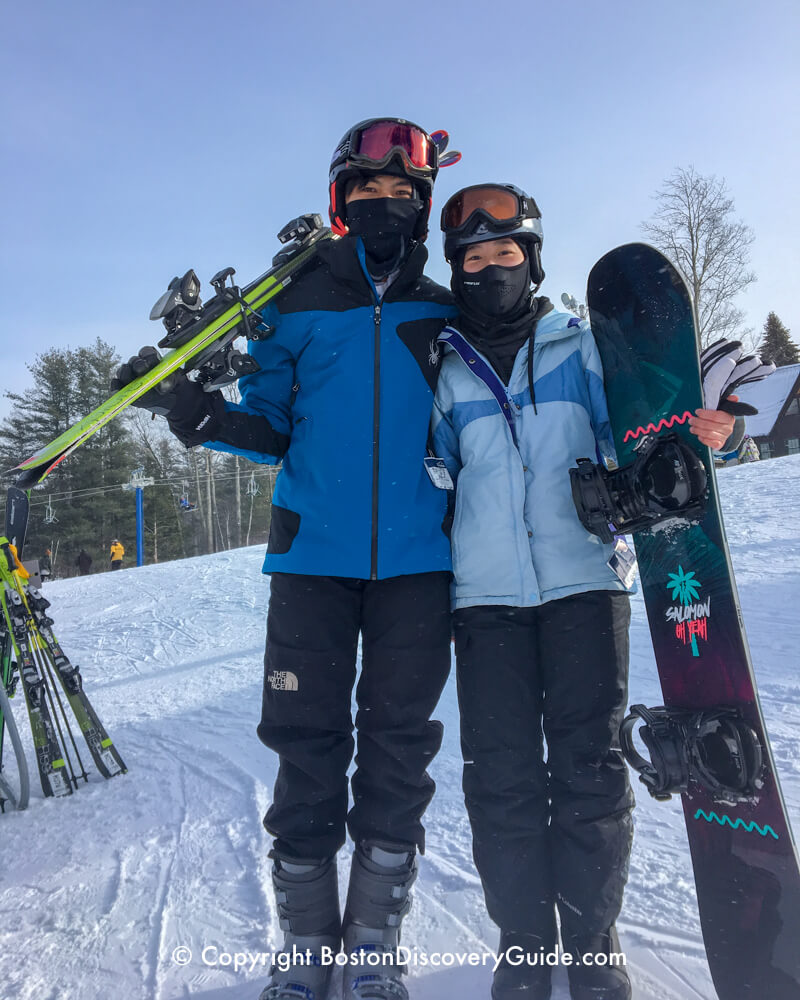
[
  {"x": 259, "y": 428},
  {"x": 443, "y": 432},
  {"x": 598, "y": 405},
  {"x": 735, "y": 440},
  {"x": 249, "y": 434}
]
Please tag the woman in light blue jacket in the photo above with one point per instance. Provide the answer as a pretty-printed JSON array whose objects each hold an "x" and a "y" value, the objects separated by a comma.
[{"x": 541, "y": 619}]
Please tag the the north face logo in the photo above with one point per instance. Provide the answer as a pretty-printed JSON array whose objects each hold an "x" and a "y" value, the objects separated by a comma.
[{"x": 282, "y": 680}]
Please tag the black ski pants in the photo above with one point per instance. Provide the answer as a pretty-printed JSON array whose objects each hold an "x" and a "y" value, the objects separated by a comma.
[
  {"x": 313, "y": 626},
  {"x": 555, "y": 830}
]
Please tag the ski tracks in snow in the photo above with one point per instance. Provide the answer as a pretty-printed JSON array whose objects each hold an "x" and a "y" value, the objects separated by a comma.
[
  {"x": 99, "y": 889},
  {"x": 125, "y": 872}
]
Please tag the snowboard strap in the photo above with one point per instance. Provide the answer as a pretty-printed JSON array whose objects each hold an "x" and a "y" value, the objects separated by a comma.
[
  {"x": 714, "y": 747},
  {"x": 666, "y": 479}
]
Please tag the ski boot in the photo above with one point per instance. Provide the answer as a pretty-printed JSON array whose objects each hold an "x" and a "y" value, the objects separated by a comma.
[
  {"x": 592, "y": 981},
  {"x": 307, "y": 894},
  {"x": 377, "y": 901},
  {"x": 518, "y": 977}
]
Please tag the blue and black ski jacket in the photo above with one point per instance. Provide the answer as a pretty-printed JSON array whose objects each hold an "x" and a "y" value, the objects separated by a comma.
[{"x": 343, "y": 399}]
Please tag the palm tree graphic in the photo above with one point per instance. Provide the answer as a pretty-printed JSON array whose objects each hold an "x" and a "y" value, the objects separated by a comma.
[{"x": 684, "y": 586}]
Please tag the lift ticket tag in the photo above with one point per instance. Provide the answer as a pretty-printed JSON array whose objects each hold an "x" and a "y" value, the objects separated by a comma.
[
  {"x": 438, "y": 473},
  {"x": 623, "y": 562}
]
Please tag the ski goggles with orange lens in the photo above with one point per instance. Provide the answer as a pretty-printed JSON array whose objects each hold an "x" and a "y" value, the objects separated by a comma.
[
  {"x": 501, "y": 207},
  {"x": 375, "y": 144}
]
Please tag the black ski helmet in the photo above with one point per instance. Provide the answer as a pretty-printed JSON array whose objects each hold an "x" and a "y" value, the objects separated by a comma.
[
  {"x": 373, "y": 144},
  {"x": 485, "y": 212}
]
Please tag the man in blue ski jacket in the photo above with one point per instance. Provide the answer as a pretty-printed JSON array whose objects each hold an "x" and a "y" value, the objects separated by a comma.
[{"x": 343, "y": 399}]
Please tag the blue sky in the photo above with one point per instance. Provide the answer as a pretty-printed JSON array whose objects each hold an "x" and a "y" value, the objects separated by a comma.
[{"x": 142, "y": 139}]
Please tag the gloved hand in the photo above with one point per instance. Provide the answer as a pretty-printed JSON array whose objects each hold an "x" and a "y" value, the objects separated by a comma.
[
  {"x": 724, "y": 370},
  {"x": 192, "y": 414}
]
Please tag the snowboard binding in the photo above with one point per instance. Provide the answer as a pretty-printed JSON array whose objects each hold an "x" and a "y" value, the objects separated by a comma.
[
  {"x": 714, "y": 747},
  {"x": 666, "y": 479}
]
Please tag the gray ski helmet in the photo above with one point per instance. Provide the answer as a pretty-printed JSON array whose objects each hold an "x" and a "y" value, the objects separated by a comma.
[
  {"x": 485, "y": 212},
  {"x": 377, "y": 143}
]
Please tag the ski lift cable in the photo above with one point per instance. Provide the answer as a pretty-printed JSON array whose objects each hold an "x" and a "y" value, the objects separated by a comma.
[
  {"x": 92, "y": 491},
  {"x": 270, "y": 472}
]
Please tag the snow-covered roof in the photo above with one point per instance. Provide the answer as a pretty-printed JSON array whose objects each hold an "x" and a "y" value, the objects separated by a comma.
[{"x": 768, "y": 397}]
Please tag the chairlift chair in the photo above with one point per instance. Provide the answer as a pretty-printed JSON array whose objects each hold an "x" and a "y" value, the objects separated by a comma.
[
  {"x": 186, "y": 504},
  {"x": 252, "y": 489},
  {"x": 49, "y": 513}
]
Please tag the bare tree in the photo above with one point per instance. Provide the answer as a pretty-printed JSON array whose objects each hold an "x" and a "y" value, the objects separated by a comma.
[{"x": 695, "y": 227}]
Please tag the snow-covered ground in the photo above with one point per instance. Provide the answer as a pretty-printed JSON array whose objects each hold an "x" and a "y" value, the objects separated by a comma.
[{"x": 99, "y": 892}]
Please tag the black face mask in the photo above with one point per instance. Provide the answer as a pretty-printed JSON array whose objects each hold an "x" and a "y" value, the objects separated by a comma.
[
  {"x": 385, "y": 225},
  {"x": 495, "y": 293}
]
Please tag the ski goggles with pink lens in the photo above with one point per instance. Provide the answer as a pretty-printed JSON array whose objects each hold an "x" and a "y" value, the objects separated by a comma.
[{"x": 375, "y": 144}]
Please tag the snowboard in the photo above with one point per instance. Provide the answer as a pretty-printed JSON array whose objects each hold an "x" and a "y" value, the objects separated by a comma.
[
  {"x": 744, "y": 857},
  {"x": 17, "y": 508}
]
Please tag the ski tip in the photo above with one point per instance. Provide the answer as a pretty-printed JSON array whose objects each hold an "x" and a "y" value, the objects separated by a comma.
[
  {"x": 30, "y": 475},
  {"x": 27, "y": 478}
]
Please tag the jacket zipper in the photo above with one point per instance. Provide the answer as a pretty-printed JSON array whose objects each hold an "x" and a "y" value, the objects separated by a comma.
[{"x": 376, "y": 427}]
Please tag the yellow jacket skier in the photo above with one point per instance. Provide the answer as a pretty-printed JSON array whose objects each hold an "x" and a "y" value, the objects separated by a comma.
[{"x": 117, "y": 552}]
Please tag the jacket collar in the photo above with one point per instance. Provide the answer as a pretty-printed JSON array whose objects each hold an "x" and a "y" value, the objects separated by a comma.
[
  {"x": 554, "y": 325},
  {"x": 346, "y": 266}
]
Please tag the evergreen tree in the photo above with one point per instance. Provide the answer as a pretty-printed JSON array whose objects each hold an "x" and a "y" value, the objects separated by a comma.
[
  {"x": 199, "y": 502},
  {"x": 777, "y": 345},
  {"x": 42, "y": 413},
  {"x": 81, "y": 505}
]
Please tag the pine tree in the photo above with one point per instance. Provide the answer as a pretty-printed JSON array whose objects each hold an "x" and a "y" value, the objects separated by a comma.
[
  {"x": 81, "y": 505},
  {"x": 777, "y": 345}
]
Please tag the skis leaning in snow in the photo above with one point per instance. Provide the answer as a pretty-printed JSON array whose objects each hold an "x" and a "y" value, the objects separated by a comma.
[
  {"x": 14, "y": 778},
  {"x": 40, "y": 660}
]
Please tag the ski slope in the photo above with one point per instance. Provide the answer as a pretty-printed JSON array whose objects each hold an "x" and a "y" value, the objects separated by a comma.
[{"x": 146, "y": 886}]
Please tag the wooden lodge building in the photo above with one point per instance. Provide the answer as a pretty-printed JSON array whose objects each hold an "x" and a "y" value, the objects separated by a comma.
[{"x": 776, "y": 426}]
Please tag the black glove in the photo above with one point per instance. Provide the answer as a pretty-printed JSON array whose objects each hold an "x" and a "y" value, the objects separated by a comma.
[
  {"x": 192, "y": 414},
  {"x": 724, "y": 370}
]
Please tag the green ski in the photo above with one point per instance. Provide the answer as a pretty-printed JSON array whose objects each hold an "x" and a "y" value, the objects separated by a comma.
[
  {"x": 200, "y": 337},
  {"x": 105, "y": 755},
  {"x": 14, "y": 782},
  {"x": 49, "y": 757}
]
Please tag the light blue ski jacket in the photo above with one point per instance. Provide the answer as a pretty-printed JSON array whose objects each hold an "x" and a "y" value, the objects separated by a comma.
[{"x": 516, "y": 537}]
